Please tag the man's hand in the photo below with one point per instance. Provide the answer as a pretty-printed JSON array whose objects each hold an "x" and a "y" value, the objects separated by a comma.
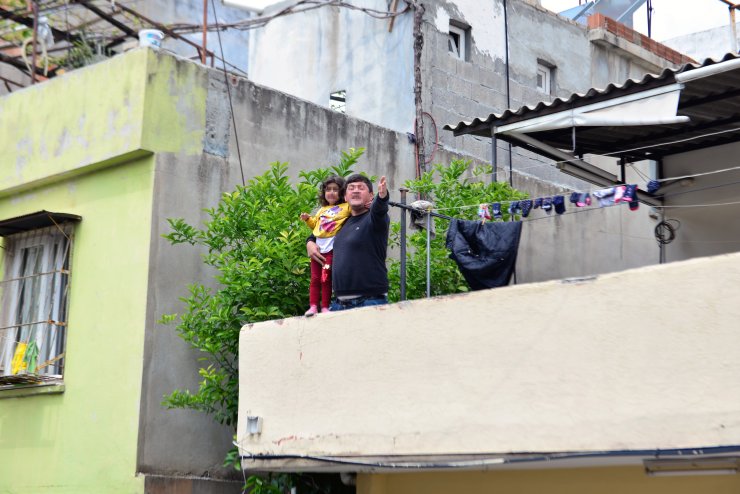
[
  {"x": 313, "y": 252},
  {"x": 382, "y": 188},
  {"x": 305, "y": 216}
]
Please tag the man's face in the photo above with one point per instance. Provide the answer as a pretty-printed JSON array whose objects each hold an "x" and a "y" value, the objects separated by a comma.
[{"x": 358, "y": 195}]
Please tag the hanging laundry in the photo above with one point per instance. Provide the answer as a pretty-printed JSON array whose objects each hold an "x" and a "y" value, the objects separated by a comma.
[
  {"x": 558, "y": 203},
  {"x": 496, "y": 206},
  {"x": 605, "y": 196},
  {"x": 484, "y": 253},
  {"x": 526, "y": 205},
  {"x": 483, "y": 212},
  {"x": 514, "y": 208},
  {"x": 619, "y": 193},
  {"x": 653, "y": 186},
  {"x": 547, "y": 204},
  {"x": 584, "y": 200},
  {"x": 630, "y": 193}
]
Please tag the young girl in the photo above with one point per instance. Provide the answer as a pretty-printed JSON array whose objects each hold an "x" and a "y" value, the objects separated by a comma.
[{"x": 325, "y": 224}]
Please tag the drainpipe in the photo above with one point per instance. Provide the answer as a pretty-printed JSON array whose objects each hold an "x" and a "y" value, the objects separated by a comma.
[
  {"x": 508, "y": 84},
  {"x": 733, "y": 30}
]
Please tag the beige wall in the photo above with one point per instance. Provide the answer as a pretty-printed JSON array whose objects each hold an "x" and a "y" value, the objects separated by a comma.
[
  {"x": 640, "y": 359},
  {"x": 569, "y": 481}
]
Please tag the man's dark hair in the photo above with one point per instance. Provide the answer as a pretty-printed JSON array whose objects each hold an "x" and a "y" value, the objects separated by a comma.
[
  {"x": 360, "y": 178},
  {"x": 331, "y": 180}
]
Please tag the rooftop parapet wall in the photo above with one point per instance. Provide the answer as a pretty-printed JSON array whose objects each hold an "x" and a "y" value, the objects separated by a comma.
[
  {"x": 641, "y": 359},
  {"x": 599, "y": 21},
  {"x": 130, "y": 105}
]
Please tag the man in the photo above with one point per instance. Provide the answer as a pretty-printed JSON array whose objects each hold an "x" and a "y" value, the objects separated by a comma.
[{"x": 359, "y": 275}]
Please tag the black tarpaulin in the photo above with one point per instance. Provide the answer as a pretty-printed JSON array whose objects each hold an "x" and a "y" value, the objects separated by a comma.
[{"x": 484, "y": 252}]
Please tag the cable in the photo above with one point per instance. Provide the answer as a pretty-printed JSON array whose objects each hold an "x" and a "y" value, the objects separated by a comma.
[
  {"x": 698, "y": 205},
  {"x": 308, "y": 5},
  {"x": 665, "y": 231},
  {"x": 503, "y": 460},
  {"x": 228, "y": 92}
]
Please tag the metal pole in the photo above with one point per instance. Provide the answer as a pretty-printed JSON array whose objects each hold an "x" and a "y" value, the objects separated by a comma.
[
  {"x": 494, "y": 154},
  {"x": 35, "y": 9},
  {"x": 429, "y": 254},
  {"x": 661, "y": 244},
  {"x": 205, "y": 32},
  {"x": 733, "y": 30},
  {"x": 403, "y": 191}
]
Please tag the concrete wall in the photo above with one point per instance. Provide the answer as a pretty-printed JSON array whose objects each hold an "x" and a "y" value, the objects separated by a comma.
[
  {"x": 313, "y": 54},
  {"x": 549, "y": 367},
  {"x": 703, "y": 230},
  {"x": 712, "y": 43},
  {"x": 457, "y": 90},
  {"x": 357, "y": 53}
]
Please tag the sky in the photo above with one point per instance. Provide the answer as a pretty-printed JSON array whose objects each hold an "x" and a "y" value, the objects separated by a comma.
[{"x": 671, "y": 18}]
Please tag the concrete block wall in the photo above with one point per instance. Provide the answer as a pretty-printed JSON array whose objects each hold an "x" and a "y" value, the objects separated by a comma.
[{"x": 457, "y": 90}]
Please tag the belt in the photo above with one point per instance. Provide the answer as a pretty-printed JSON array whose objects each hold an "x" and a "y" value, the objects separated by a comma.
[{"x": 353, "y": 302}]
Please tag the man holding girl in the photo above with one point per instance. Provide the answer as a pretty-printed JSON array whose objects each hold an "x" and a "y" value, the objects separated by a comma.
[{"x": 358, "y": 272}]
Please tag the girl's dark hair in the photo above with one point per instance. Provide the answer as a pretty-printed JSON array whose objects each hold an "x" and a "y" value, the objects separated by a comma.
[{"x": 339, "y": 181}]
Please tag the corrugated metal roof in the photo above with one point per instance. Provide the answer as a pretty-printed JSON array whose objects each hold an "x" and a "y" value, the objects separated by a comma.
[{"x": 712, "y": 103}]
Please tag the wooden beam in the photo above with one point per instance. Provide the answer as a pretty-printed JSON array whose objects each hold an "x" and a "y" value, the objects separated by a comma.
[{"x": 394, "y": 7}]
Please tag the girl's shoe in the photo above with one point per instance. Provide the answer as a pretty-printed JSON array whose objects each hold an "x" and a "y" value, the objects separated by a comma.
[
  {"x": 312, "y": 311},
  {"x": 325, "y": 310}
]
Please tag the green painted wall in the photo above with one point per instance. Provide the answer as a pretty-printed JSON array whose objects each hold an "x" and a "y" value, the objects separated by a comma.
[
  {"x": 84, "y": 440},
  {"x": 100, "y": 115},
  {"x": 86, "y": 143}
]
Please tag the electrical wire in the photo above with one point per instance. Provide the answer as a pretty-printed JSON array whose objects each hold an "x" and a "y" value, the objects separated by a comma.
[
  {"x": 499, "y": 459},
  {"x": 297, "y": 8},
  {"x": 665, "y": 231},
  {"x": 228, "y": 92}
]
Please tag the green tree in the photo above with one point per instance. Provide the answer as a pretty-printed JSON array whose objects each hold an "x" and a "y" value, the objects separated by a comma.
[
  {"x": 255, "y": 242},
  {"x": 453, "y": 194}
]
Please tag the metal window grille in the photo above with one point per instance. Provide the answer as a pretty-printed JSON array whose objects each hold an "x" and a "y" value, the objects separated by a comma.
[{"x": 33, "y": 305}]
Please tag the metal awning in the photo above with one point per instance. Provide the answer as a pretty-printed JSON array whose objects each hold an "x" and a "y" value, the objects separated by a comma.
[
  {"x": 679, "y": 110},
  {"x": 39, "y": 219}
]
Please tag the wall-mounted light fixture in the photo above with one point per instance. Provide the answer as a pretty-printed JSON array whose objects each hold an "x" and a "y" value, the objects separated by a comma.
[
  {"x": 718, "y": 465},
  {"x": 254, "y": 425}
]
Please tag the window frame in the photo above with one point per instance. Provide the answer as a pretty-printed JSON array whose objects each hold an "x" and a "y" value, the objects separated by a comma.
[
  {"x": 456, "y": 42},
  {"x": 45, "y": 323},
  {"x": 547, "y": 71}
]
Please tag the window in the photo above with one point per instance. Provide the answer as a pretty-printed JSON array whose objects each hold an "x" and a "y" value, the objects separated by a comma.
[
  {"x": 33, "y": 311},
  {"x": 338, "y": 101},
  {"x": 544, "y": 77},
  {"x": 458, "y": 40}
]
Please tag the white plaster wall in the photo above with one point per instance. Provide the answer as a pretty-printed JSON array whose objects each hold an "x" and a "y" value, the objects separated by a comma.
[
  {"x": 712, "y": 43},
  {"x": 642, "y": 359},
  {"x": 486, "y": 19},
  {"x": 233, "y": 42},
  {"x": 313, "y": 54}
]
